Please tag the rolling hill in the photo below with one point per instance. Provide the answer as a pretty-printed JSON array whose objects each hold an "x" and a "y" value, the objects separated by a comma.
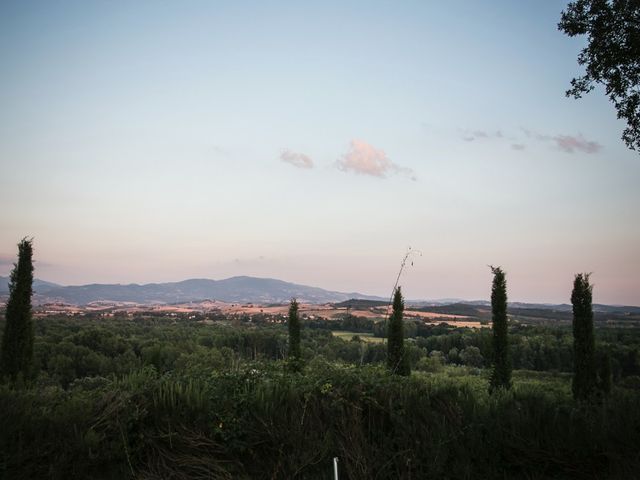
[{"x": 236, "y": 289}]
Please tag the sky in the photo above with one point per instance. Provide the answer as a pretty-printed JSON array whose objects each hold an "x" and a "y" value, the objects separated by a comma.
[{"x": 312, "y": 142}]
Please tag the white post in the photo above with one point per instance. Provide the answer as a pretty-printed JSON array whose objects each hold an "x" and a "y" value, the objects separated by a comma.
[{"x": 335, "y": 468}]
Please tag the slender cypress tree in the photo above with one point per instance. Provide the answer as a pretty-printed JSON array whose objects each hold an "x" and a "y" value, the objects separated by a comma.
[
  {"x": 584, "y": 346},
  {"x": 397, "y": 361},
  {"x": 501, "y": 374},
  {"x": 17, "y": 342},
  {"x": 294, "y": 332}
]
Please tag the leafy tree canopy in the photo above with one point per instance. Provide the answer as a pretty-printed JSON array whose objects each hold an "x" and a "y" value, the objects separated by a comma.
[{"x": 611, "y": 57}]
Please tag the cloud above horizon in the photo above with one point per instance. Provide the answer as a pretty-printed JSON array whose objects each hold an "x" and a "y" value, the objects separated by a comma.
[
  {"x": 564, "y": 143},
  {"x": 299, "y": 160},
  {"x": 481, "y": 134},
  {"x": 365, "y": 159},
  {"x": 570, "y": 143}
]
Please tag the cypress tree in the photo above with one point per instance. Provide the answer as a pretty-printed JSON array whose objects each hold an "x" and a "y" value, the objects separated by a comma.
[
  {"x": 294, "y": 333},
  {"x": 584, "y": 347},
  {"x": 501, "y": 374},
  {"x": 17, "y": 342},
  {"x": 397, "y": 361}
]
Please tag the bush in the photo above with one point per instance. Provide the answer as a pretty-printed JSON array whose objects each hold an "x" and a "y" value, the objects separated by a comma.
[{"x": 262, "y": 422}]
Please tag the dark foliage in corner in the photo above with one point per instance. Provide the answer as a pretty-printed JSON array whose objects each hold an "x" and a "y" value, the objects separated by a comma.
[{"x": 611, "y": 56}]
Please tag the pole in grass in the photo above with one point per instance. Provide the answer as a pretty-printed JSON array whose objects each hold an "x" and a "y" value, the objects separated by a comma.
[{"x": 335, "y": 468}]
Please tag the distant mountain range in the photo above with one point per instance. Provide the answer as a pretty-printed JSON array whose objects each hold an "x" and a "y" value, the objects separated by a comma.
[
  {"x": 253, "y": 290},
  {"x": 235, "y": 290},
  {"x": 468, "y": 306}
]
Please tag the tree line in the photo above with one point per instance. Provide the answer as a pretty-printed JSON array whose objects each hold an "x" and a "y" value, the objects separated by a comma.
[{"x": 589, "y": 378}]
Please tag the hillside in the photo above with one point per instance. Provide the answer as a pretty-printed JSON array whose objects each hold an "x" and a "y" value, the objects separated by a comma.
[{"x": 235, "y": 289}]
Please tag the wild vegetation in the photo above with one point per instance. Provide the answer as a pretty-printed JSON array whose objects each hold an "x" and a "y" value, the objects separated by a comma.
[{"x": 151, "y": 397}]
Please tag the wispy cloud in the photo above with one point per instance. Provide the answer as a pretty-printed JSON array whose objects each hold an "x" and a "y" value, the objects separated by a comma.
[
  {"x": 535, "y": 136},
  {"x": 570, "y": 144},
  {"x": 565, "y": 143},
  {"x": 220, "y": 151},
  {"x": 470, "y": 136},
  {"x": 365, "y": 159},
  {"x": 299, "y": 160},
  {"x": 254, "y": 260}
]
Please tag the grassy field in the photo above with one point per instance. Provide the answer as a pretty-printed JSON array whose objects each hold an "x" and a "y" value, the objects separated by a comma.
[{"x": 365, "y": 337}]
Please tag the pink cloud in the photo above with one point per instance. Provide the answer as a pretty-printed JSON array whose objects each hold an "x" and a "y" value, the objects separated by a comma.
[
  {"x": 565, "y": 143},
  {"x": 299, "y": 160},
  {"x": 570, "y": 143},
  {"x": 365, "y": 159}
]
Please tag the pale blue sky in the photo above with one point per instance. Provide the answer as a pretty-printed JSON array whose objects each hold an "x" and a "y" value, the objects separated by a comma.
[{"x": 155, "y": 141}]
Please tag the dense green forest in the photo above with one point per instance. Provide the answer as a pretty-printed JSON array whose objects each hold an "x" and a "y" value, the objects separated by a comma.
[{"x": 185, "y": 397}]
